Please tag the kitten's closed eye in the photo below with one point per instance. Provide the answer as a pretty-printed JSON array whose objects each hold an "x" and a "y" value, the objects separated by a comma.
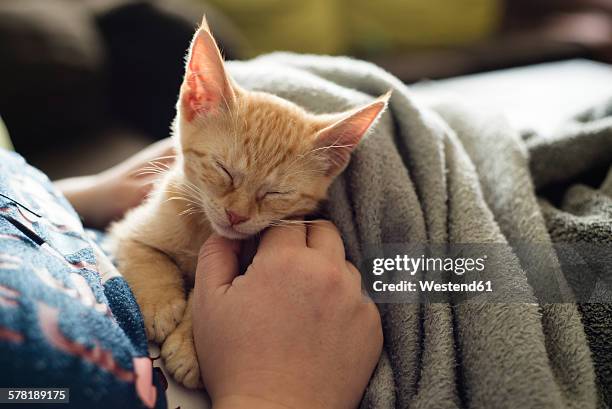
[
  {"x": 226, "y": 172},
  {"x": 273, "y": 194}
]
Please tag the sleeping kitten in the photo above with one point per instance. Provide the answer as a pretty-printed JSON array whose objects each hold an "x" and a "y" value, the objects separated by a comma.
[{"x": 245, "y": 160}]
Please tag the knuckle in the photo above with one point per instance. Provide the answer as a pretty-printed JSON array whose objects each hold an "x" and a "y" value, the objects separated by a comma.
[
  {"x": 332, "y": 277},
  {"x": 373, "y": 317},
  {"x": 352, "y": 269}
]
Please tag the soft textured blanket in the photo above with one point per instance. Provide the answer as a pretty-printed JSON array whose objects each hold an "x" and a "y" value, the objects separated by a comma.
[{"x": 454, "y": 175}]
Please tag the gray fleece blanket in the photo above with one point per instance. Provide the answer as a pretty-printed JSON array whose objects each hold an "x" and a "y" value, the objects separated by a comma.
[{"x": 455, "y": 175}]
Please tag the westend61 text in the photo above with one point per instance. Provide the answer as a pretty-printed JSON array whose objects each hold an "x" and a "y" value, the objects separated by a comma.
[{"x": 432, "y": 286}]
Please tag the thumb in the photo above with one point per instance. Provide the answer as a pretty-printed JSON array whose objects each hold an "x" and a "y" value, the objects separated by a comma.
[{"x": 217, "y": 263}]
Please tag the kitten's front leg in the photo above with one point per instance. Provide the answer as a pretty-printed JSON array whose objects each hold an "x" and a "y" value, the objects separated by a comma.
[
  {"x": 157, "y": 284},
  {"x": 179, "y": 351}
]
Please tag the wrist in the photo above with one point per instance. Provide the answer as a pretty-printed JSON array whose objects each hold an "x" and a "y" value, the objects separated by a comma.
[
  {"x": 270, "y": 390},
  {"x": 77, "y": 189},
  {"x": 83, "y": 194},
  {"x": 250, "y": 402}
]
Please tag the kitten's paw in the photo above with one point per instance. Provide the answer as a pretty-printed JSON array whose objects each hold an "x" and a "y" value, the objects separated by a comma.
[
  {"x": 161, "y": 312},
  {"x": 180, "y": 358}
]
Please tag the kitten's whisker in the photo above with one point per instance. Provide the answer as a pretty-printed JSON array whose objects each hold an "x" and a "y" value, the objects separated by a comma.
[
  {"x": 164, "y": 157},
  {"x": 309, "y": 223},
  {"x": 183, "y": 190},
  {"x": 153, "y": 168},
  {"x": 150, "y": 169},
  {"x": 189, "y": 188},
  {"x": 163, "y": 160},
  {"x": 184, "y": 199},
  {"x": 178, "y": 195},
  {"x": 325, "y": 148},
  {"x": 285, "y": 226},
  {"x": 160, "y": 165},
  {"x": 193, "y": 189},
  {"x": 187, "y": 211},
  {"x": 190, "y": 211},
  {"x": 296, "y": 222},
  {"x": 148, "y": 172}
]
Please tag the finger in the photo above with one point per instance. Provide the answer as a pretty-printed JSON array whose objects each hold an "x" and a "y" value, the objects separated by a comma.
[
  {"x": 217, "y": 264},
  {"x": 324, "y": 237},
  {"x": 163, "y": 152},
  {"x": 293, "y": 235},
  {"x": 163, "y": 149},
  {"x": 155, "y": 158}
]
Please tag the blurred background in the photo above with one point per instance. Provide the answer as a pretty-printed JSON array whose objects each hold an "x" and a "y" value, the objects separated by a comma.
[{"x": 85, "y": 83}]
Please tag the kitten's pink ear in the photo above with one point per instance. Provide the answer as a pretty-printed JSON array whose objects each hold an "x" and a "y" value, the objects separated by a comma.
[
  {"x": 204, "y": 25},
  {"x": 206, "y": 89},
  {"x": 338, "y": 140}
]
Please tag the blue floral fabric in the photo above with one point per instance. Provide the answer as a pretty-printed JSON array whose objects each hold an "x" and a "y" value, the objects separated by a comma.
[{"x": 65, "y": 320}]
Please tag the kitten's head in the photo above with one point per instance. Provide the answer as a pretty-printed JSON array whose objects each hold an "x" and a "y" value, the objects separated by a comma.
[{"x": 254, "y": 159}]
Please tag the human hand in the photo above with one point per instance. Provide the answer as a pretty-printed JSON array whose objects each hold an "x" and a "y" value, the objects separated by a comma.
[
  {"x": 106, "y": 196},
  {"x": 294, "y": 331}
]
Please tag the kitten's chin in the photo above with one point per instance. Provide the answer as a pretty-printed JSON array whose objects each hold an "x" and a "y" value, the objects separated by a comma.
[{"x": 228, "y": 232}]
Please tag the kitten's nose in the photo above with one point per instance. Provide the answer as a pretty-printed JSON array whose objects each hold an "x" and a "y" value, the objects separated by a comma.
[{"x": 235, "y": 218}]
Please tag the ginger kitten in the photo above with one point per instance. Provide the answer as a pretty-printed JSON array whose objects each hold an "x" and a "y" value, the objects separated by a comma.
[{"x": 245, "y": 160}]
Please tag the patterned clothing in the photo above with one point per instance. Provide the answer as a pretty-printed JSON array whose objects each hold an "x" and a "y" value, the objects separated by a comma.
[{"x": 67, "y": 318}]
